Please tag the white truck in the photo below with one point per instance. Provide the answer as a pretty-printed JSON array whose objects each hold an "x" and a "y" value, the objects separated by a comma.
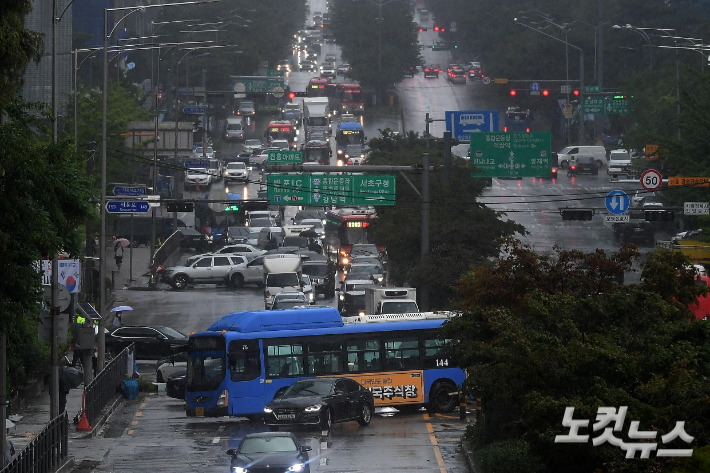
[
  {"x": 390, "y": 300},
  {"x": 282, "y": 273},
  {"x": 619, "y": 162},
  {"x": 316, "y": 116}
]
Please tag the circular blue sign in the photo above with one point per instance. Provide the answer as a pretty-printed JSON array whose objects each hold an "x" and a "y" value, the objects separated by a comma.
[{"x": 617, "y": 202}]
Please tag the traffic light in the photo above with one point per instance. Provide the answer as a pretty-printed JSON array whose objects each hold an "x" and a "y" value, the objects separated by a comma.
[
  {"x": 232, "y": 208},
  {"x": 436, "y": 28},
  {"x": 456, "y": 46},
  {"x": 545, "y": 93},
  {"x": 179, "y": 206},
  {"x": 513, "y": 93},
  {"x": 298, "y": 94},
  {"x": 291, "y": 95},
  {"x": 577, "y": 214},
  {"x": 659, "y": 215},
  {"x": 576, "y": 93}
]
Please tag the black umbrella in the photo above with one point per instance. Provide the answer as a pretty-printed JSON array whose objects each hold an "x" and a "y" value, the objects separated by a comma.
[
  {"x": 308, "y": 234},
  {"x": 71, "y": 377}
]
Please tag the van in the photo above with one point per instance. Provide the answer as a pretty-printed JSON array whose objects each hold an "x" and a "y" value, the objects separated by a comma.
[
  {"x": 143, "y": 228},
  {"x": 423, "y": 15},
  {"x": 266, "y": 234},
  {"x": 572, "y": 152},
  {"x": 235, "y": 128}
]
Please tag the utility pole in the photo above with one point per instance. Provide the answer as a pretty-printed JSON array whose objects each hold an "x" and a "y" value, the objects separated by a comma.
[
  {"x": 3, "y": 398},
  {"x": 54, "y": 310},
  {"x": 447, "y": 158},
  {"x": 600, "y": 46},
  {"x": 424, "y": 293}
]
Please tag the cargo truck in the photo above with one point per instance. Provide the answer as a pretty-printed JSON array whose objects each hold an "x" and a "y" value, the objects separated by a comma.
[
  {"x": 282, "y": 273},
  {"x": 390, "y": 300},
  {"x": 316, "y": 116}
]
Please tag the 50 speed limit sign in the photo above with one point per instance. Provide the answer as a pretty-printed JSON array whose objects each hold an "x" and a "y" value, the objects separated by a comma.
[{"x": 651, "y": 180}]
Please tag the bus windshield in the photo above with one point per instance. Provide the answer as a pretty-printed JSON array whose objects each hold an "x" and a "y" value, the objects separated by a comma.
[
  {"x": 282, "y": 280},
  {"x": 399, "y": 307},
  {"x": 280, "y": 133},
  {"x": 352, "y": 95},
  {"x": 351, "y": 137},
  {"x": 351, "y": 235},
  {"x": 206, "y": 365},
  {"x": 316, "y": 154}
]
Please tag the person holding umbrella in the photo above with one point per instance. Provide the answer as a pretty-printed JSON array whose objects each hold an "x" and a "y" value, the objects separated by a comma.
[
  {"x": 9, "y": 446},
  {"x": 118, "y": 320}
]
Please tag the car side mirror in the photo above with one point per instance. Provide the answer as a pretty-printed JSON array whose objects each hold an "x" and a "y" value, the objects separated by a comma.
[
  {"x": 232, "y": 451},
  {"x": 305, "y": 448}
]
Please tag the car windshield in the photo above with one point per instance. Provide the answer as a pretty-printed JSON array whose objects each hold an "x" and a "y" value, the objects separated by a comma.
[
  {"x": 253, "y": 143},
  {"x": 282, "y": 280},
  {"x": 238, "y": 231},
  {"x": 391, "y": 307},
  {"x": 368, "y": 260},
  {"x": 309, "y": 214},
  {"x": 260, "y": 222},
  {"x": 300, "y": 242},
  {"x": 309, "y": 388},
  {"x": 246, "y": 104},
  {"x": 365, "y": 268},
  {"x": 300, "y": 298},
  {"x": 357, "y": 286},
  {"x": 236, "y": 166},
  {"x": 316, "y": 269},
  {"x": 267, "y": 445},
  {"x": 288, "y": 304},
  {"x": 364, "y": 249}
]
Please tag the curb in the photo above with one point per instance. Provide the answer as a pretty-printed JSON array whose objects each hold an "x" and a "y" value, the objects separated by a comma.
[
  {"x": 67, "y": 466},
  {"x": 469, "y": 456},
  {"x": 104, "y": 417}
]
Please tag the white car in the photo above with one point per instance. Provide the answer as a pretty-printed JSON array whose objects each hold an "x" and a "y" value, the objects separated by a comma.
[
  {"x": 327, "y": 69},
  {"x": 245, "y": 250},
  {"x": 236, "y": 172},
  {"x": 280, "y": 145},
  {"x": 288, "y": 300},
  {"x": 252, "y": 145},
  {"x": 216, "y": 169},
  {"x": 199, "y": 177},
  {"x": 209, "y": 153},
  {"x": 317, "y": 225},
  {"x": 258, "y": 160}
]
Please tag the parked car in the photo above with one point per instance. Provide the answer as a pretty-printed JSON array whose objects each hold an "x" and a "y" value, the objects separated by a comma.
[
  {"x": 322, "y": 402},
  {"x": 176, "y": 384},
  {"x": 280, "y": 451},
  {"x": 210, "y": 269},
  {"x": 170, "y": 365},
  {"x": 152, "y": 342}
]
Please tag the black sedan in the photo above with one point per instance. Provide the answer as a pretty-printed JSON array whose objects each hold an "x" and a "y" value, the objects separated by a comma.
[
  {"x": 152, "y": 342},
  {"x": 176, "y": 385},
  {"x": 431, "y": 71},
  {"x": 585, "y": 165},
  {"x": 320, "y": 401},
  {"x": 270, "y": 451}
]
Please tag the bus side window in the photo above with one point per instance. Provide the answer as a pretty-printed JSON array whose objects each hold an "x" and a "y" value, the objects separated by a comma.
[
  {"x": 325, "y": 358},
  {"x": 402, "y": 354},
  {"x": 244, "y": 360},
  {"x": 435, "y": 355},
  {"x": 363, "y": 355},
  {"x": 284, "y": 360}
]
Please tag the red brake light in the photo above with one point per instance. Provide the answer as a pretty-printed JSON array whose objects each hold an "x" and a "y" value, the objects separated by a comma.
[
  {"x": 574, "y": 167},
  {"x": 505, "y": 129},
  {"x": 436, "y": 28},
  {"x": 321, "y": 87},
  {"x": 443, "y": 29},
  {"x": 426, "y": 70},
  {"x": 350, "y": 162}
]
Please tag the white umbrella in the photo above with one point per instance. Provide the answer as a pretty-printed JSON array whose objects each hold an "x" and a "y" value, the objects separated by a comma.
[
  {"x": 121, "y": 308},
  {"x": 9, "y": 424}
]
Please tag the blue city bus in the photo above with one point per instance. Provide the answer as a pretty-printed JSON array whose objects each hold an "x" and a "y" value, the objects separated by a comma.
[
  {"x": 245, "y": 359},
  {"x": 349, "y": 133},
  {"x": 517, "y": 120}
]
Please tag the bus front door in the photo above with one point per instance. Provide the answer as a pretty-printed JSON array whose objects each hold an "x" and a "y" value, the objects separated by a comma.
[{"x": 245, "y": 381}]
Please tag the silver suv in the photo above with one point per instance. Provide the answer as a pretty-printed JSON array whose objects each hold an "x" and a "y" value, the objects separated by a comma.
[
  {"x": 198, "y": 177},
  {"x": 208, "y": 269}
]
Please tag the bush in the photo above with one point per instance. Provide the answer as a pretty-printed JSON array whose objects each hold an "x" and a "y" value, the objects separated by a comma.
[
  {"x": 146, "y": 386},
  {"x": 509, "y": 456}
]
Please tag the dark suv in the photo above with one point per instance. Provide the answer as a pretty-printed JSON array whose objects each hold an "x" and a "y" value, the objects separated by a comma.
[
  {"x": 585, "y": 165},
  {"x": 322, "y": 275},
  {"x": 152, "y": 342}
]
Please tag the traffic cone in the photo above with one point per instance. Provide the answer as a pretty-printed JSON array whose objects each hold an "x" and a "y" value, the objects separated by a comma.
[{"x": 84, "y": 421}]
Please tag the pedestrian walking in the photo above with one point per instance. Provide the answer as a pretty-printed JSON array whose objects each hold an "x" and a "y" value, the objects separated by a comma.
[
  {"x": 119, "y": 256},
  {"x": 9, "y": 446},
  {"x": 117, "y": 320}
]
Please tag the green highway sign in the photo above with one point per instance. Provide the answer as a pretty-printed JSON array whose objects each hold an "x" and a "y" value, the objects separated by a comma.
[
  {"x": 285, "y": 157},
  {"x": 331, "y": 189},
  {"x": 609, "y": 104},
  {"x": 592, "y": 89},
  {"x": 256, "y": 84},
  {"x": 275, "y": 73},
  {"x": 512, "y": 154}
]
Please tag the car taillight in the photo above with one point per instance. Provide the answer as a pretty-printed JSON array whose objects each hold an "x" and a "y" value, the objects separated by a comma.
[
  {"x": 574, "y": 167},
  {"x": 350, "y": 162},
  {"x": 554, "y": 170},
  {"x": 426, "y": 70}
]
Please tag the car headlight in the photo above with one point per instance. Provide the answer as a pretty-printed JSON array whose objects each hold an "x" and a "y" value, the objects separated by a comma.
[
  {"x": 379, "y": 279},
  {"x": 268, "y": 410},
  {"x": 310, "y": 296},
  {"x": 341, "y": 297},
  {"x": 297, "y": 467},
  {"x": 361, "y": 313},
  {"x": 313, "y": 408},
  {"x": 239, "y": 469},
  {"x": 340, "y": 151}
]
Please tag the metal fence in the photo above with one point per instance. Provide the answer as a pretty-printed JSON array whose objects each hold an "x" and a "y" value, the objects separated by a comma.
[
  {"x": 105, "y": 385},
  {"x": 46, "y": 452}
]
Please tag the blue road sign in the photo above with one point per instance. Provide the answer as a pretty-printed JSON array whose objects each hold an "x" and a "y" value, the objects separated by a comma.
[
  {"x": 199, "y": 164},
  {"x": 461, "y": 124},
  {"x": 194, "y": 110},
  {"x": 617, "y": 202},
  {"x": 535, "y": 86},
  {"x": 127, "y": 206},
  {"x": 129, "y": 190}
]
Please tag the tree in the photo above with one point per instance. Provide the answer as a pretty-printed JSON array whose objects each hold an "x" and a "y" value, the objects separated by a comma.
[
  {"x": 540, "y": 334},
  {"x": 18, "y": 46},
  {"x": 463, "y": 232},
  {"x": 376, "y": 62},
  {"x": 46, "y": 198}
]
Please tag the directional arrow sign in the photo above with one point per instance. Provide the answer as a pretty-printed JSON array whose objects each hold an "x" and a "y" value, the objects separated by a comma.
[
  {"x": 129, "y": 190},
  {"x": 127, "y": 207},
  {"x": 617, "y": 202}
]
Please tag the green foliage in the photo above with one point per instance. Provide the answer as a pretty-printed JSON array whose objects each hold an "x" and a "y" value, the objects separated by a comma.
[
  {"x": 46, "y": 198},
  {"x": 376, "y": 63},
  {"x": 509, "y": 456},
  {"x": 18, "y": 46},
  {"x": 462, "y": 231},
  {"x": 540, "y": 334}
]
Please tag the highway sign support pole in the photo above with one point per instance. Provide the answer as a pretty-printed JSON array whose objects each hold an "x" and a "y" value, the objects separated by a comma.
[
  {"x": 54, "y": 311},
  {"x": 3, "y": 398},
  {"x": 424, "y": 293},
  {"x": 447, "y": 158}
]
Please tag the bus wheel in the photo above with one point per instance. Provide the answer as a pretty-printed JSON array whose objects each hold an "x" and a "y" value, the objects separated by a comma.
[
  {"x": 439, "y": 398},
  {"x": 237, "y": 281}
]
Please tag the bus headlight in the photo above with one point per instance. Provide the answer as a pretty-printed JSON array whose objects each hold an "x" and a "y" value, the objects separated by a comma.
[
  {"x": 313, "y": 408},
  {"x": 267, "y": 410},
  {"x": 223, "y": 400}
]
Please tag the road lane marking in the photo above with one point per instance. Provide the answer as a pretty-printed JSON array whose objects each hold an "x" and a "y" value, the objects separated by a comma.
[
  {"x": 324, "y": 445},
  {"x": 215, "y": 440},
  {"x": 130, "y": 432},
  {"x": 323, "y": 461},
  {"x": 437, "y": 450},
  {"x": 139, "y": 413},
  {"x": 135, "y": 422},
  {"x": 142, "y": 406},
  {"x": 426, "y": 416}
]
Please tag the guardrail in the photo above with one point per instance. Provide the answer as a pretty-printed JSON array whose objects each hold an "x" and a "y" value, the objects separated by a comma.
[
  {"x": 105, "y": 385},
  {"x": 46, "y": 452}
]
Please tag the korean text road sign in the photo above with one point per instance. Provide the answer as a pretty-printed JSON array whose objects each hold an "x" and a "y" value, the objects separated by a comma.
[
  {"x": 197, "y": 164},
  {"x": 607, "y": 104},
  {"x": 331, "y": 189},
  {"x": 461, "y": 124},
  {"x": 689, "y": 181},
  {"x": 617, "y": 202},
  {"x": 651, "y": 152},
  {"x": 592, "y": 89},
  {"x": 275, "y": 73},
  {"x": 285, "y": 157},
  {"x": 256, "y": 84},
  {"x": 624, "y": 218},
  {"x": 511, "y": 154},
  {"x": 500, "y": 81},
  {"x": 194, "y": 110},
  {"x": 534, "y": 88},
  {"x": 565, "y": 89},
  {"x": 696, "y": 208},
  {"x": 593, "y": 104},
  {"x": 127, "y": 207},
  {"x": 129, "y": 190},
  {"x": 651, "y": 180}
]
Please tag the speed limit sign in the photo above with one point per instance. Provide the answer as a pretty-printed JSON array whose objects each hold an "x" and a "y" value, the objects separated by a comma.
[{"x": 651, "y": 180}]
